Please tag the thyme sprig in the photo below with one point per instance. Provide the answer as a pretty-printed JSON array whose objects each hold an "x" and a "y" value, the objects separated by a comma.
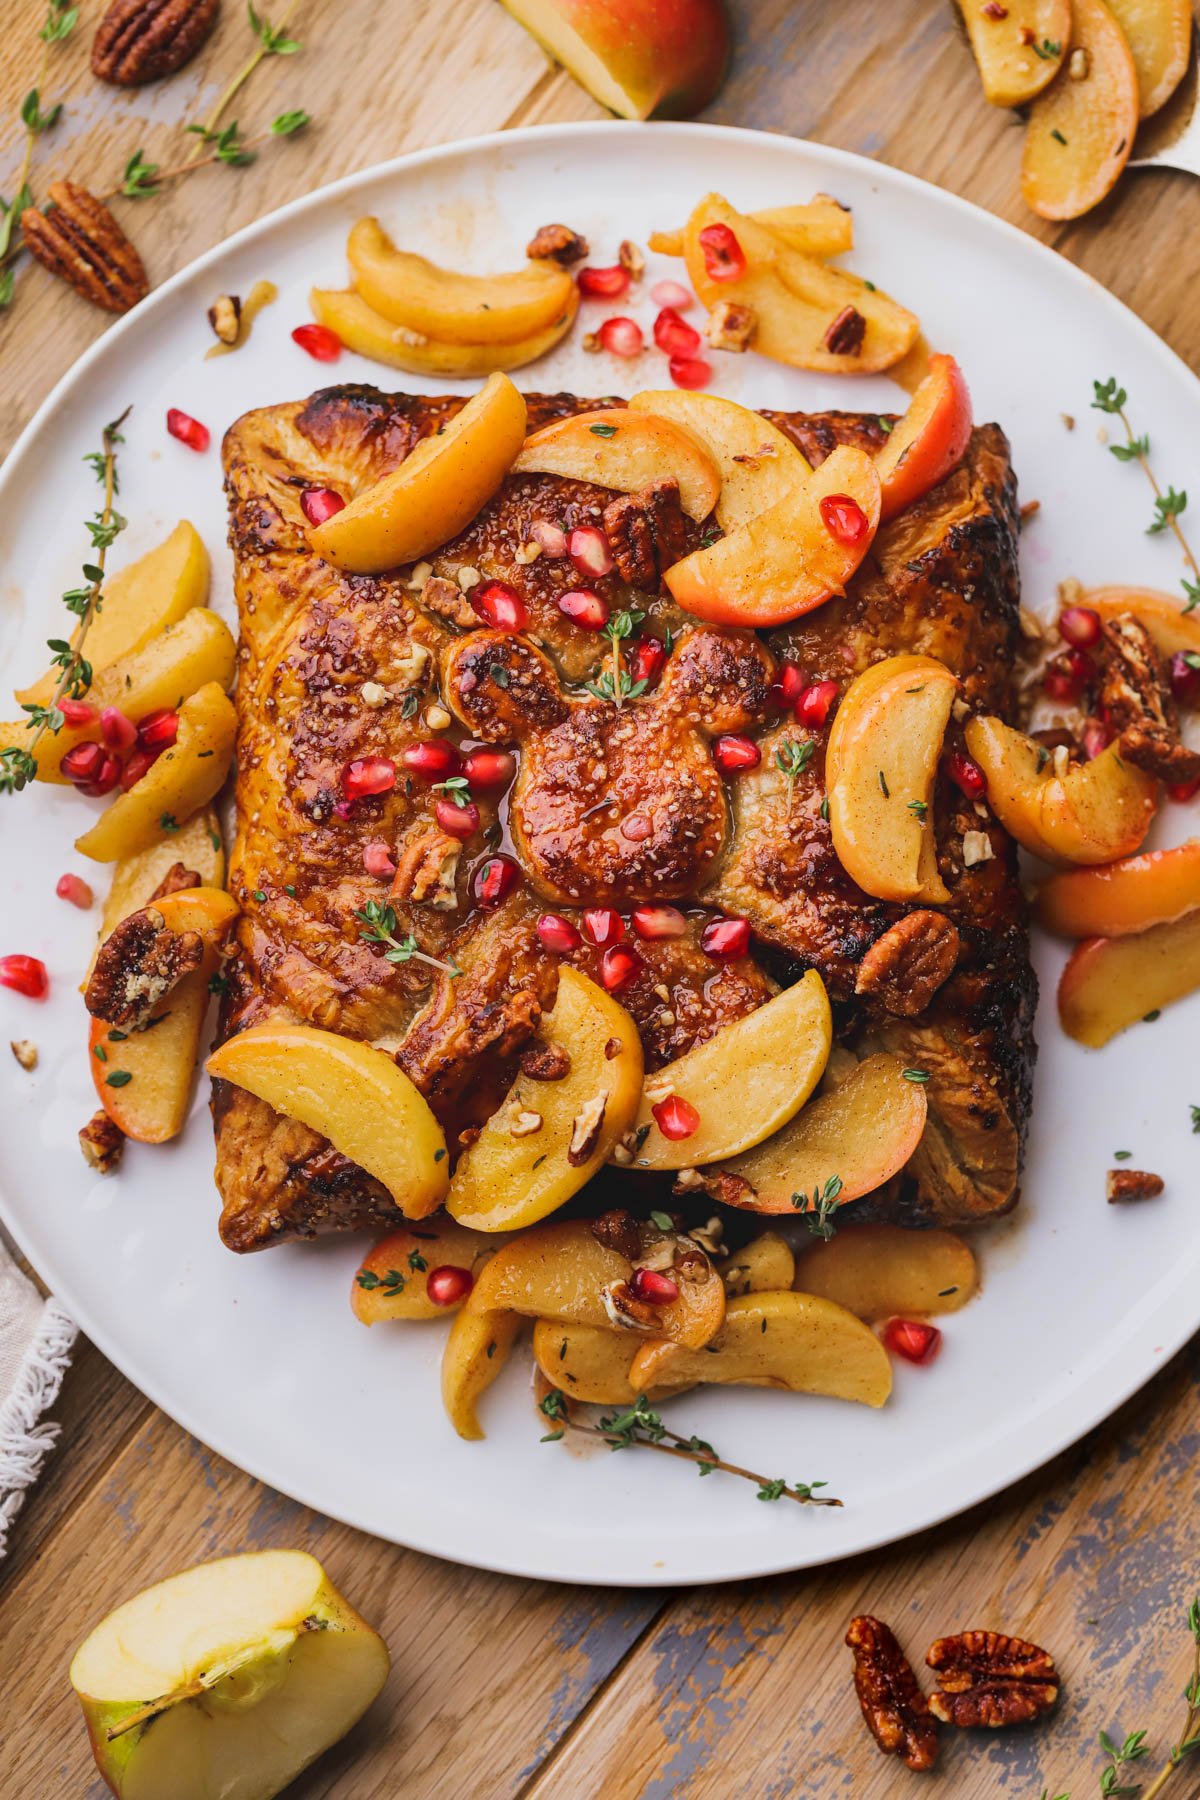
[
  {"x": 18, "y": 766},
  {"x": 817, "y": 1209},
  {"x": 143, "y": 179},
  {"x": 640, "y": 1427},
  {"x": 61, "y": 19},
  {"x": 615, "y": 683},
  {"x": 378, "y": 922},
  {"x": 272, "y": 41},
  {"x": 1169, "y": 507},
  {"x": 791, "y": 759}
]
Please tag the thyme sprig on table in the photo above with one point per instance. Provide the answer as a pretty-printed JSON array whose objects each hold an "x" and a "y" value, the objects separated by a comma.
[
  {"x": 142, "y": 179},
  {"x": 378, "y": 922},
  {"x": 272, "y": 41},
  {"x": 61, "y": 19},
  {"x": 640, "y": 1427},
  {"x": 1169, "y": 507}
]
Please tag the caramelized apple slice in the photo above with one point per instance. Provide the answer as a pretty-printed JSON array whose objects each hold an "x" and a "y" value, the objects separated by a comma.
[
  {"x": 885, "y": 1272},
  {"x": 1162, "y": 614},
  {"x": 391, "y": 1282},
  {"x": 1097, "y": 812},
  {"x": 1111, "y": 983},
  {"x": 144, "y": 1079},
  {"x": 196, "y": 846},
  {"x": 1122, "y": 897},
  {"x": 350, "y": 1093},
  {"x": 437, "y": 490},
  {"x": 183, "y": 779},
  {"x": 1081, "y": 129},
  {"x": 363, "y": 330},
  {"x": 818, "y": 227},
  {"x": 1159, "y": 35},
  {"x": 588, "y": 1364},
  {"x": 790, "y": 558},
  {"x": 929, "y": 441},
  {"x": 617, "y": 448},
  {"x": 798, "y": 1342},
  {"x": 476, "y": 1350},
  {"x": 408, "y": 290},
  {"x": 1019, "y": 46},
  {"x": 738, "y": 1086},
  {"x": 766, "y": 1265},
  {"x": 757, "y": 465},
  {"x": 880, "y": 767}
]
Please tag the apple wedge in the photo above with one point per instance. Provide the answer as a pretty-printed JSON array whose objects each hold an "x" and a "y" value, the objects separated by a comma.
[
  {"x": 1111, "y": 983},
  {"x": 770, "y": 1061},
  {"x": 618, "y": 448},
  {"x": 1096, "y": 812},
  {"x": 818, "y": 227},
  {"x": 144, "y": 956},
  {"x": 756, "y": 464},
  {"x": 589, "y": 1365},
  {"x": 363, "y": 330},
  {"x": 798, "y": 1342},
  {"x": 929, "y": 441},
  {"x": 226, "y": 1679},
  {"x": 665, "y": 57},
  {"x": 766, "y": 1265},
  {"x": 391, "y": 1282},
  {"x": 437, "y": 490},
  {"x": 476, "y": 1350},
  {"x": 1122, "y": 897},
  {"x": 858, "y": 1135},
  {"x": 1162, "y": 614},
  {"x": 882, "y": 1272},
  {"x": 880, "y": 766},
  {"x": 1081, "y": 129},
  {"x": 790, "y": 558},
  {"x": 1019, "y": 47},
  {"x": 1159, "y": 35},
  {"x": 183, "y": 779},
  {"x": 410, "y": 291},
  {"x": 144, "y": 1078},
  {"x": 549, "y": 1137},
  {"x": 196, "y": 846},
  {"x": 350, "y": 1093}
]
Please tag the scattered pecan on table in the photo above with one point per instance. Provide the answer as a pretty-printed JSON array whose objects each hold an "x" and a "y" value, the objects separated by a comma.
[
  {"x": 81, "y": 242},
  {"x": 1125, "y": 1185},
  {"x": 556, "y": 243},
  {"x": 987, "y": 1678},
  {"x": 142, "y": 40},
  {"x": 896, "y": 1711}
]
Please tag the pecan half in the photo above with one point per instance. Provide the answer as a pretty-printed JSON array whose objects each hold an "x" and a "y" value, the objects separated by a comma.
[
  {"x": 137, "y": 965},
  {"x": 731, "y": 325},
  {"x": 174, "y": 881},
  {"x": 987, "y": 1678},
  {"x": 904, "y": 969},
  {"x": 646, "y": 533},
  {"x": 102, "y": 1143},
  {"x": 80, "y": 241},
  {"x": 1139, "y": 706},
  {"x": 896, "y": 1711},
  {"x": 447, "y": 601},
  {"x": 585, "y": 1130},
  {"x": 142, "y": 40},
  {"x": 845, "y": 335},
  {"x": 427, "y": 871},
  {"x": 620, "y": 1231},
  {"x": 225, "y": 317},
  {"x": 1125, "y": 1185},
  {"x": 545, "y": 1062},
  {"x": 556, "y": 243}
]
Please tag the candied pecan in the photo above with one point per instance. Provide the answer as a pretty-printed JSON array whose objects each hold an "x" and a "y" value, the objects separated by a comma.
[
  {"x": 80, "y": 241},
  {"x": 646, "y": 533},
  {"x": 731, "y": 325},
  {"x": 896, "y": 1711},
  {"x": 722, "y": 1184},
  {"x": 845, "y": 335},
  {"x": 545, "y": 1062},
  {"x": 102, "y": 1143},
  {"x": 631, "y": 259},
  {"x": 620, "y": 1231},
  {"x": 26, "y": 1053},
  {"x": 904, "y": 969},
  {"x": 225, "y": 317},
  {"x": 1138, "y": 703},
  {"x": 447, "y": 600},
  {"x": 625, "y": 1310},
  {"x": 174, "y": 881},
  {"x": 142, "y": 40},
  {"x": 137, "y": 965},
  {"x": 586, "y": 1129},
  {"x": 1123, "y": 1185},
  {"x": 987, "y": 1678},
  {"x": 556, "y": 243},
  {"x": 426, "y": 870}
]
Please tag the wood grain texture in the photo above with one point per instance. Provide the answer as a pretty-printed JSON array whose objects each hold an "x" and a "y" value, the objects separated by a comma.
[{"x": 503, "y": 1687}]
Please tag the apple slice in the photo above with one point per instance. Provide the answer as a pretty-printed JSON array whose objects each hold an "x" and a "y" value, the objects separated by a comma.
[
  {"x": 391, "y": 1282},
  {"x": 858, "y": 1135},
  {"x": 350, "y": 1093},
  {"x": 438, "y": 489},
  {"x": 363, "y": 330},
  {"x": 1164, "y": 617},
  {"x": 617, "y": 448},
  {"x": 1111, "y": 983},
  {"x": 1159, "y": 35},
  {"x": 818, "y": 227},
  {"x": 408, "y": 290},
  {"x": 665, "y": 57},
  {"x": 790, "y": 558},
  {"x": 798, "y": 1342},
  {"x": 226, "y": 1679},
  {"x": 929, "y": 441},
  {"x": 476, "y": 1350},
  {"x": 1096, "y": 812},
  {"x": 196, "y": 846},
  {"x": 887, "y": 1272},
  {"x": 183, "y": 779},
  {"x": 766, "y": 1265},
  {"x": 1122, "y": 897},
  {"x": 1081, "y": 129},
  {"x": 880, "y": 767},
  {"x": 588, "y": 1364},
  {"x": 756, "y": 464},
  {"x": 771, "y": 1060},
  {"x": 1019, "y": 46}
]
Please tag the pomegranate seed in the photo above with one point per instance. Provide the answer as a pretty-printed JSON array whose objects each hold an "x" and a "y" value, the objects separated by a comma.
[
  {"x": 319, "y": 341},
  {"x": 653, "y": 1286},
  {"x": 135, "y": 767},
  {"x": 82, "y": 763},
  {"x": 319, "y": 504},
  {"x": 676, "y": 1117},
  {"x": 672, "y": 294},
  {"x": 913, "y": 1340},
  {"x": 448, "y": 1285},
  {"x": 552, "y": 539},
  {"x": 618, "y": 967},
  {"x": 76, "y": 890},
  {"x": 843, "y": 518},
  {"x": 1183, "y": 791},
  {"x": 455, "y": 820},
  {"x": 812, "y": 708},
  {"x": 673, "y": 335},
  {"x": 558, "y": 934},
  {"x": 1068, "y": 675},
  {"x": 368, "y": 775},
  {"x": 377, "y": 861},
  {"x": 500, "y": 606},
  {"x": 603, "y": 284},
  {"x": 690, "y": 371},
  {"x": 622, "y": 337},
  {"x": 118, "y": 732},
  {"x": 1080, "y": 626},
  {"x": 158, "y": 730},
  {"x": 432, "y": 759},
  {"x": 732, "y": 754},
  {"x": 588, "y": 549},
  {"x": 603, "y": 926},
  {"x": 966, "y": 775},
  {"x": 585, "y": 608},
  {"x": 724, "y": 939},
  {"x": 1185, "y": 677},
  {"x": 105, "y": 778},
  {"x": 77, "y": 712},
  {"x": 489, "y": 768},
  {"x": 658, "y": 922},
  {"x": 648, "y": 658},
  {"x": 789, "y": 683},
  {"x": 1096, "y": 737},
  {"x": 723, "y": 257},
  {"x": 189, "y": 431},
  {"x": 495, "y": 879},
  {"x": 25, "y": 975}
]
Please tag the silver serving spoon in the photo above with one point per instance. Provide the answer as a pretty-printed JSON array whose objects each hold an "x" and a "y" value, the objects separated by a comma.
[{"x": 1171, "y": 138}]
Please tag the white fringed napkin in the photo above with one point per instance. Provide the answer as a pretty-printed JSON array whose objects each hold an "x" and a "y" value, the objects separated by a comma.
[{"x": 36, "y": 1337}]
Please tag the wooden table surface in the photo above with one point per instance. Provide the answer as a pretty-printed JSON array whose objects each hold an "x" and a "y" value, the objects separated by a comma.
[{"x": 503, "y": 1687}]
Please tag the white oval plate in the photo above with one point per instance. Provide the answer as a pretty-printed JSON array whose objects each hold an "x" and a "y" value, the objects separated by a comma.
[{"x": 260, "y": 1356}]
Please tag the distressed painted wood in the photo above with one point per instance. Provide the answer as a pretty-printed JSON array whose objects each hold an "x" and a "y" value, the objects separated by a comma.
[{"x": 503, "y": 1687}]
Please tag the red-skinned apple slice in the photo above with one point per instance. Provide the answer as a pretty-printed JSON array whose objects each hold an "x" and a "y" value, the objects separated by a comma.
[
  {"x": 636, "y": 57},
  {"x": 929, "y": 441},
  {"x": 1111, "y": 983},
  {"x": 757, "y": 464},
  {"x": 1096, "y": 812},
  {"x": 1123, "y": 897}
]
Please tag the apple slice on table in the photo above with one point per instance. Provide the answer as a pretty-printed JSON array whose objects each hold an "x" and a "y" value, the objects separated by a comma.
[
  {"x": 364, "y": 331},
  {"x": 1096, "y": 812},
  {"x": 818, "y": 227},
  {"x": 739, "y": 1085},
  {"x": 588, "y": 1364},
  {"x": 756, "y": 464},
  {"x": 929, "y": 441},
  {"x": 1019, "y": 46},
  {"x": 183, "y": 779},
  {"x": 626, "y": 450},
  {"x": 437, "y": 490},
  {"x": 1111, "y": 983},
  {"x": 791, "y": 558},
  {"x": 880, "y": 766},
  {"x": 665, "y": 57},
  {"x": 1159, "y": 35},
  {"x": 1122, "y": 897},
  {"x": 1163, "y": 615},
  {"x": 392, "y": 1280},
  {"x": 411, "y": 291},
  {"x": 226, "y": 1679},
  {"x": 1081, "y": 129},
  {"x": 350, "y": 1093},
  {"x": 767, "y": 1264},
  {"x": 885, "y": 1272}
]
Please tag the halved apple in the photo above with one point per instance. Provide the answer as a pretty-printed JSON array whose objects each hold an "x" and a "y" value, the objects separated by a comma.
[
  {"x": 350, "y": 1093},
  {"x": 1162, "y": 614},
  {"x": 787, "y": 560},
  {"x": 183, "y": 779},
  {"x": 798, "y": 1342},
  {"x": 767, "y": 1264},
  {"x": 1159, "y": 35},
  {"x": 744, "y": 1082},
  {"x": 665, "y": 57},
  {"x": 588, "y": 1364},
  {"x": 617, "y": 448},
  {"x": 1095, "y": 813},
  {"x": 817, "y": 227},
  {"x": 1111, "y": 983},
  {"x": 886, "y": 1272},
  {"x": 929, "y": 441},
  {"x": 756, "y": 464},
  {"x": 437, "y": 490},
  {"x": 1019, "y": 46},
  {"x": 1081, "y": 129},
  {"x": 226, "y": 1679},
  {"x": 363, "y": 330},
  {"x": 391, "y": 1281},
  {"x": 880, "y": 767},
  {"x": 549, "y": 1137},
  {"x": 476, "y": 1350},
  {"x": 859, "y": 1134},
  {"x": 1122, "y": 897},
  {"x": 409, "y": 290}
]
